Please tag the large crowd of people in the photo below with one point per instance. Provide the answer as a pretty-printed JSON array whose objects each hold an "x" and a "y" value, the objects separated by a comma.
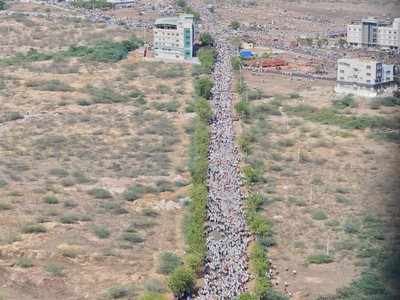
[
  {"x": 227, "y": 237},
  {"x": 225, "y": 274}
]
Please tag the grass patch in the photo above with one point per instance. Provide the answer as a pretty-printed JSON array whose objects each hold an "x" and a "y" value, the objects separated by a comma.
[
  {"x": 168, "y": 262},
  {"x": 24, "y": 262},
  {"x": 51, "y": 200},
  {"x": 101, "y": 231},
  {"x": 319, "y": 215},
  {"x": 33, "y": 228},
  {"x": 319, "y": 259},
  {"x": 100, "y": 193},
  {"x": 54, "y": 269}
]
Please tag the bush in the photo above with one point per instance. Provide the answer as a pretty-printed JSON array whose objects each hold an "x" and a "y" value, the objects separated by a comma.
[
  {"x": 243, "y": 108},
  {"x": 101, "y": 231},
  {"x": 132, "y": 237},
  {"x": 206, "y": 39},
  {"x": 133, "y": 193},
  {"x": 207, "y": 58},
  {"x": 50, "y": 200},
  {"x": 100, "y": 193},
  {"x": 236, "y": 63},
  {"x": 104, "y": 51},
  {"x": 168, "y": 262},
  {"x": 69, "y": 218},
  {"x": 169, "y": 106},
  {"x": 10, "y": 116},
  {"x": 235, "y": 25},
  {"x": 3, "y": 5},
  {"x": 319, "y": 259},
  {"x": 51, "y": 86},
  {"x": 346, "y": 101},
  {"x": 154, "y": 286},
  {"x": 319, "y": 215},
  {"x": 33, "y": 228},
  {"x": 152, "y": 296},
  {"x": 120, "y": 291},
  {"x": 24, "y": 262},
  {"x": 203, "y": 87},
  {"x": 54, "y": 269},
  {"x": 172, "y": 71},
  {"x": 105, "y": 95},
  {"x": 181, "y": 282}
]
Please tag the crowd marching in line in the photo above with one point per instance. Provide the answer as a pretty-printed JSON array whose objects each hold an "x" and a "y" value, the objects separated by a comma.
[{"x": 225, "y": 273}]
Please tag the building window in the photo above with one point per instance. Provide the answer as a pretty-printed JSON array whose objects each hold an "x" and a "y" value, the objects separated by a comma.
[
  {"x": 341, "y": 71},
  {"x": 368, "y": 74},
  {"x": 369, "y": 81},
  {"x": 368, "y": 67},
  {"x": 341, "y": 78}
]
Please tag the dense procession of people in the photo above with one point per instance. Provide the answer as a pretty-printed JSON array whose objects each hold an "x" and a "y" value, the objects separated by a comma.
[
  {"x": 227, "y": 238},
  {"x": 225, "y": 272}
]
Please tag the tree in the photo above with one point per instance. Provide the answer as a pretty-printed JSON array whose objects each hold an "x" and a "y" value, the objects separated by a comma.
[
  {"x": 243, "y": 108},
  {"x": 203, "y": 87},
  {"x": 236, "y": 63},
  {"x": 203, "y": 109},
  {"x": 181, "y": 3},
  {"x": 235, "y": 25},
  {"x": 3, "y": 5},
  {"x": 207, "y": 58},
  {"x": 206, "y": 39},
  {"x": 181, "y": 282}
]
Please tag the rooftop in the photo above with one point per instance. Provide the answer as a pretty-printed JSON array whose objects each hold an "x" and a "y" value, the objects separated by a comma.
[{"x": 172, "y": 20}]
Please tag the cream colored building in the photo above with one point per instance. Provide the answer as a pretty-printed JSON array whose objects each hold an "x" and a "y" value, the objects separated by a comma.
[
  {"x": 368, "y": 78},
  {"x": 371, "y": 33},
  {"x": 174, "y": 37}
]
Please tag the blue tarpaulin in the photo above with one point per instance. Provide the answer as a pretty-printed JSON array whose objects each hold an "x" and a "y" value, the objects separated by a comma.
[{"x": 246, "y": 54}]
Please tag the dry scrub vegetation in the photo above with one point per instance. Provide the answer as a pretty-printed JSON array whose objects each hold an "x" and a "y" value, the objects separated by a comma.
[
  {"x": 88, "y": 152},
  {"x": 329, "y": 186}
]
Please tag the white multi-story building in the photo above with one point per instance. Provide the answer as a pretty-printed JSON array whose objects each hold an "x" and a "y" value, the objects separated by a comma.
[
  {"x": 368, "y": 78},
  {"x": 371, "y": 33},
  {"x": 174, "y": 37}
]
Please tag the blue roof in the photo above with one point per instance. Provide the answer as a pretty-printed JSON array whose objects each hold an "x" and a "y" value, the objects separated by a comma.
[{"x": 246, "y": 54}]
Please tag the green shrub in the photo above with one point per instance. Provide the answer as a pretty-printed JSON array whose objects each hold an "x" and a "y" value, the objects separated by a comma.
[
  {"x": 169, "y": 106},
  {"x": 53, "y": 85},
  {"x": 207, "y": 58},
  {"x": 10, "y": 116},
  {"x": 5, "y": 206},
  {"x": 235, "y": 25},
  {"x": 33, "y": 228},
  {"x": 154, "y": 286},
  {"x": 168, "y": 262},
  {"x": 247, "y": 296},
  {"x": 54, "y": 269},
  {"x": 346, "y": 101},
  {"x": 101, "y": 231},
  {"x": 243, "y": 108},
  {"x": 351, "y": 226},
  {"x": 50, "y": 200},
  {"x": 24, "y": 262},
  {"x": 133, "y": 193},
  {"x": 181, "y": 282},
  {"x": 206, "y": 39},
  {"x": 152, "y": 296},
  {"x": 3, "y": 5},
  {"x": 319, "y": 259},
  {"x": 342, "y": 199},
  {"x": 203, "y": 87},
  {"x": 105, "y": 95},
  {"x": 120, "y": 291},
  {"x": 69, "y": 218},
  {"x": 172, "y": 71},
  {"x": 319, "y": 215},
  {"x": 132, "y": 237},
  {"x": 236, "y": 63},
  {"x": 3, "y": 183},
  {"x": 100, "y": 193},
  {"x": 255, "y": 94}
]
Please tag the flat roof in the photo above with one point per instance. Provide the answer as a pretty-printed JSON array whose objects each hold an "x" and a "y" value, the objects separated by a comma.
[{"x": 172, "y": 20}]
